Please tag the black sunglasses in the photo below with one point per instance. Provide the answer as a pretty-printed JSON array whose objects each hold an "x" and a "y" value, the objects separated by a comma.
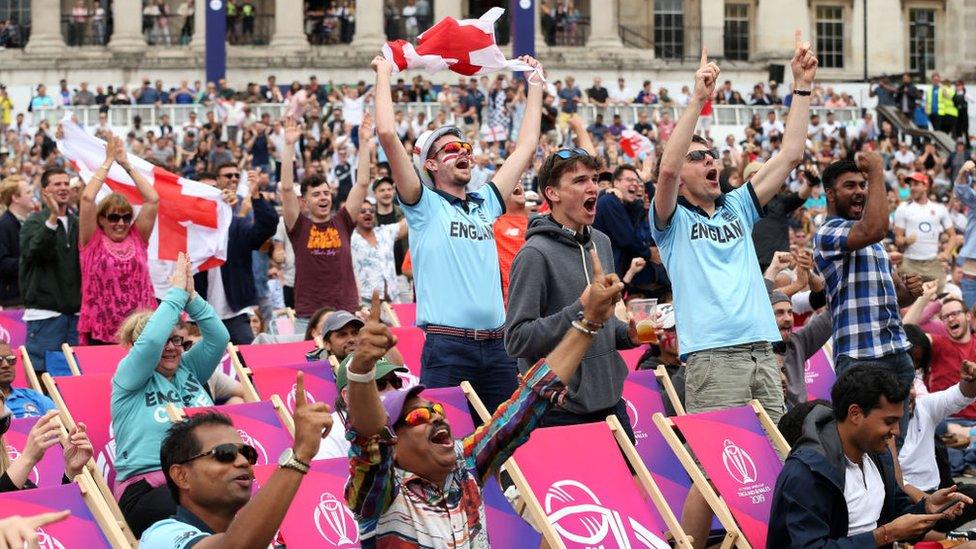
[
  {"x": 227, "y": 453},
  {"x": 698, "y": 156},
  {"x": 115, "y": 218},
  {"x": 231, "y": 175},
  {"x": 9, "y": 359},
  {"x": 564, "y": 154},
  {"x": 394, "y": 381}
]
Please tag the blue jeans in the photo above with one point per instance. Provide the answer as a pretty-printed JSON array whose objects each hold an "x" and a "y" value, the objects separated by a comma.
[
  {"x": 48, "y": 335},
  {"x": 557, "y": 416},
  {"x": 968, "y": 287},
  {"x": 899, "y": 364},
  {"x": 446, "y": 361}
]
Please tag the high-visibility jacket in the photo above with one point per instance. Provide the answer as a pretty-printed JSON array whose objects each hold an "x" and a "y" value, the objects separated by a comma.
[{"x": 945, "y": 107}]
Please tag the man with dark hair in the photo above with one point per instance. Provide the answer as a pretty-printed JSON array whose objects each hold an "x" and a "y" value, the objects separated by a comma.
[
  {"x": 618, "y": 215},
  {"x": 210, "y": 471},
  {"x": 388, "y": 213},
  {"x": 50, "y": 271},
  {"x": 459, "y": 294},
  {"x": 231, "y": 287},
  {"x": 863, "y": 298},
  {"x": 320, "y": 239},
  {"x": 704, "y": 239},
  {"x": 548, "y": 275},
  {"x": 838, "y": 486},
  {"x": 791, "y": 424}
]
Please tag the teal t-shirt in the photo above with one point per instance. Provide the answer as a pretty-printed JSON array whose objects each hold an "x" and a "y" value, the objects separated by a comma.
[
  {"x": 140, "y": 393},
  {"x": 720, "y": 298}
]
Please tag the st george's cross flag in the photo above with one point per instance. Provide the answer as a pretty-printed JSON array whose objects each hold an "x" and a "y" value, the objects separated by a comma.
[
  {"x": 634, "y": 144},
  {"x": 192, "y": 217},
  {"x": 466, "y": 47}
]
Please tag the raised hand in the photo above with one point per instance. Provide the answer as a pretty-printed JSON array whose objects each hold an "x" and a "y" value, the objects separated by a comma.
[
  {"x": 968, "y": 370},
  {"x": 375, "y": 340},
  {"x": 118, "y": 151},
  {"x": 600, "y": 294},
  {"x": 804, "y": 63},
  {"x": 17, "y": 531},
  {"x": 179, "y": 276},
  {"x": 929, "y": 288},
  {"x": 869, "y": 162},
  {"x": 254, "y": 183},
  {"x": 968, "y": 169},
  {"x": 292, "y": 131},
  {"x": 189, "y": 280},
  {"x": 366, "y": 131},
  {"x": 913, "y": 281},
  {"x": 77, "y": 451},
  {"x": 312, "y": 422},
  {"x": 706, "y": 77},
  {"x": 637, "y": 265},
  {"x": 379, "y": 64},
  {"x": 44, "y": 434},
  {"x": 51, "y": 204}
]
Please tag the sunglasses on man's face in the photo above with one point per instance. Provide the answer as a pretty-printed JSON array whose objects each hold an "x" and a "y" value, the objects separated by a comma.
[
  {"x": 227, "y": 453},
  {"x": 391, "y": 381},
  {"x": 699, "y": 155},
  {"x": 422, "y": 415},
  {"x": 115, "y": 218},
  {"x": 233, "y": 175},
  {"x": 9, "y": 359},
  {"x": 454, "y": 147}
]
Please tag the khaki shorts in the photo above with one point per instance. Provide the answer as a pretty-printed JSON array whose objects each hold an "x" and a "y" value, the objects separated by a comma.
[
  {"x": 727, "y": 377},
  {"x": 930, "y": 269}
]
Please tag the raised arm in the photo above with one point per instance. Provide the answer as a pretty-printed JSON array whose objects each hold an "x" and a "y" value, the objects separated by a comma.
[
  {"x": 773, "y": 173},
  {"x": 666, "y": 192},
  {"x": 87, "y": 209},
  {"x": 401, "y": 168},
  {"x": 582, "y": 136},
  {"x": 366, "y": 413},
  {"x": 146, "y": 220},
  {"x": 520, "y": 159},
  {"x": 914, "y": 313},
  {"x": 873, "y": 224},
  {"x": 290, "y": 207},
  {"x": 358, "y": 192}
]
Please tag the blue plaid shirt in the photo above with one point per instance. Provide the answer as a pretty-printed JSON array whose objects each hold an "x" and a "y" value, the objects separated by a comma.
[
  {"x": 860, "y": 293},
  {"x": 967, "y": 196}
]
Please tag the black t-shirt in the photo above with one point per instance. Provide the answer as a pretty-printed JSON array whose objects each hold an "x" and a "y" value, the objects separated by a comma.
[
  {"x": 600, "y": 95},
  {"x": 343, "y": 174},
  {"x": 772, "y": 232},
  {"x": 549, "y": 114},
  {"x": 402, "y": 245},
  {"x": 642, "y": 128}
]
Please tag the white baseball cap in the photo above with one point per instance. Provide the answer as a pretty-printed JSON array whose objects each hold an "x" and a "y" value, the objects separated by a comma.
[{"x": 422, "y": 147}]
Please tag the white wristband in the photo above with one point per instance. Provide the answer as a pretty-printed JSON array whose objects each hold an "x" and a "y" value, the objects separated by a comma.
[{"x": 361, "y": 378}]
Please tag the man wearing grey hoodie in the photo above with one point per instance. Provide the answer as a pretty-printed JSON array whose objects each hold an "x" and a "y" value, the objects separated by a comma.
[{"x": 547, "y": 277}]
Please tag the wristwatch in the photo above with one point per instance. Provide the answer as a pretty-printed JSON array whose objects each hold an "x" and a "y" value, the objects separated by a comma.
[{"x": 287, "y": 460}]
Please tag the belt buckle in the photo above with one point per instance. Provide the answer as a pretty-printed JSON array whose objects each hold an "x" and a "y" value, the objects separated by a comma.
[{"x": 476, "y": 336}]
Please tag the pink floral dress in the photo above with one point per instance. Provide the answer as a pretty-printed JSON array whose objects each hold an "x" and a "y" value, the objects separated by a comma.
[{"x": 114, "y": 283}]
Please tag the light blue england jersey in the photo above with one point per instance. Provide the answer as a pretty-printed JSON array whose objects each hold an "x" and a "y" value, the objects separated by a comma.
[
  {"x": 720, "y": 298},
  {"x": 455, "y": 262}
]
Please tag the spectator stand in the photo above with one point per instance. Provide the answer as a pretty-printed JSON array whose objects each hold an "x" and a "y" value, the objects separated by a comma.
[
  {"x": 90, "y": 524},
  {"x": 88, "y": 399},
  {"x": 742, "y": 464}
]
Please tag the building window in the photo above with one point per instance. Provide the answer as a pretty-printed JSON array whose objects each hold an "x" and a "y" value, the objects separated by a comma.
[
  {"x": 14, "y": 23},
  {"x": 921, "y": 39},
  {"x": 737, "y": 32},
  {"x": 830, "y": 36},
  {"x": 669, "y": 29}
]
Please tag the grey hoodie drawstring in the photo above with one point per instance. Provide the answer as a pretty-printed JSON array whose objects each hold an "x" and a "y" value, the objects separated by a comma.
[{"x": 583, "y": 258}]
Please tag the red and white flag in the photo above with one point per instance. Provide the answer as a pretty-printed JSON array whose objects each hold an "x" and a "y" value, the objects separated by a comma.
[
  {"x": 633, "y": 144},
  {"x": 466, "y": 47},
  {"x": 192, "y": 218}
]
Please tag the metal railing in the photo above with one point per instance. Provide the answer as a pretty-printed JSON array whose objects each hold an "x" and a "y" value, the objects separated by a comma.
[
  {"x": 406, "y": 28},
  {"x": 85, "y": 31},
  {"x": 325, "y": 29},
  {"x": 13, "y": 36},
  {"x": 121, "y": 115},
  {"x": 250, "y": 31}
]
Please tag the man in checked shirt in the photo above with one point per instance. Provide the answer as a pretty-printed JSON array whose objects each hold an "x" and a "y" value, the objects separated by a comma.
[{"x": 863, "y": 296}]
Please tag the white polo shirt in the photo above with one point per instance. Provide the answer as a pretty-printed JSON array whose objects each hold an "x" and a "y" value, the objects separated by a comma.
[{"x": 864, "y": 492}]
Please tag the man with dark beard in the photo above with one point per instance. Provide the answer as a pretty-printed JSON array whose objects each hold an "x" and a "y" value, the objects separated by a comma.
[
  {"x": 459, "y": 293},
  {"x": 863, "y": 297}
]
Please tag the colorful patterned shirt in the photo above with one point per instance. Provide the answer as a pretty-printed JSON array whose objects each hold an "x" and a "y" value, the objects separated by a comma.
[
  {"x": 396, "y": 508},
  {"x": 860, "y": 293},
  {"x": 374, "y": 266}
]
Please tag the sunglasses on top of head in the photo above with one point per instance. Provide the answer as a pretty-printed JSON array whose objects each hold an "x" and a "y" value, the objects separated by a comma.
[
  {"x": 565, "y": 154},
  {"x": 115, "y": 218},
  {"x": 699, "y": 155},
  {"x": 227, "y": 453},
  {"x": 453, "y": 147}
]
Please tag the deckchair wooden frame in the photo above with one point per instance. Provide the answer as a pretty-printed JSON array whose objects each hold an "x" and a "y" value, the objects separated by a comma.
[
  {"x": 29, "y": 371},
  {"x": 669, "y": 391},
  {"x": 69, "y": 357},
  {"x": 91, "y": 470},
  {"x": 179, "y": 414}
]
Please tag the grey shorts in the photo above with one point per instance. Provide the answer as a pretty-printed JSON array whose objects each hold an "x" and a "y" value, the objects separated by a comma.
[{"x": 726, "y": 377}]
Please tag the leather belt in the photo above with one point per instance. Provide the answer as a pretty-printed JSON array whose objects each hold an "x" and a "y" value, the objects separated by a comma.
[{"x": 477, "y": 335}]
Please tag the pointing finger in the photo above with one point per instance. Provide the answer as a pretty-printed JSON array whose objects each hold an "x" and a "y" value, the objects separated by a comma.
[
  {"x": 374, "y": 310},
  {"x": 704, "y": 58},
  {"x": 48, "y": 518},
  {"x": 798, "y": 38},
  {"x": 300, "y": 400},
  {"x": 597, "y": 267}
]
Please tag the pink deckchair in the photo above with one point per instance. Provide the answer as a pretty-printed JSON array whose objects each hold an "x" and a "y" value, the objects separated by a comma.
[
  {"x": 258, "y": 423},
  {"x": 818, "y": 373},
  {"x": 275, "y": 354},
  {"x": 280, "y": 380},
  {"x": 90, "y": 524},
  {"x": 410, "y": 343},
  {"x": 406, "y": 313},
  {"x": 93, "y": 359},
  {"x": 88, "y": 399}
]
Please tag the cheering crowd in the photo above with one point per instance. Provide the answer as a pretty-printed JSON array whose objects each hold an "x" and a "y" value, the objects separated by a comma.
[{"x": 522, "y": 232}]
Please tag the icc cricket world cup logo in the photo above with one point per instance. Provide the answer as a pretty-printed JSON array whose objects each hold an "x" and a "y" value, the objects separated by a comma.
[
  {"x": 738, "y": 463},
  {"x": 46, "y": 541},
  {"x": 290, "y": 403},
  {"x": 335, "y": 521}
]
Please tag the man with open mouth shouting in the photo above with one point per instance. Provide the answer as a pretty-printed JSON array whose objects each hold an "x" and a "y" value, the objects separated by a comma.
[
  {"x": 725, "y": 323},
  {"x": 455, "y": 261}
]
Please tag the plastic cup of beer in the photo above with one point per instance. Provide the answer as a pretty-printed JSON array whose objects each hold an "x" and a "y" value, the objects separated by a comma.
[{"x": 642, "y": 311}]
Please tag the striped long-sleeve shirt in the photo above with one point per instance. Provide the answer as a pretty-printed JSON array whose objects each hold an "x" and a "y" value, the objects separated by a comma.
[{"x": 396, "y": 508}]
